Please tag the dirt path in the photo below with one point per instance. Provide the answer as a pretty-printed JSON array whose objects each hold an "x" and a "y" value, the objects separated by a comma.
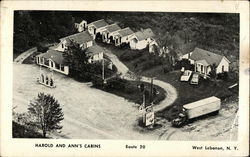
[
  {"x": 121, "y": 68},
  {"x": 171, "y": 93},
  {"x": 24, "y": 55}
]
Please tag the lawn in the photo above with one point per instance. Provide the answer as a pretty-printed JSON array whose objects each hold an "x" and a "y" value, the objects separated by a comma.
[
  {"x": 130, "y": 91},
  {"x": 186, "y": 93}
]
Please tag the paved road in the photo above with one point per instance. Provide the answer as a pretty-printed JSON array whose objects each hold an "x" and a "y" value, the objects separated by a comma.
[
  {"x": 24, "y": 55},
  {"x": 89, "y": 113}
]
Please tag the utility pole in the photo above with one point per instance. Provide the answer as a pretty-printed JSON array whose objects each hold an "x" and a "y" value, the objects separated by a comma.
[
  {"x": 143, "y": 100},
  {"x": 103, "y": 70},
  {"x": 151, "y": 89}
]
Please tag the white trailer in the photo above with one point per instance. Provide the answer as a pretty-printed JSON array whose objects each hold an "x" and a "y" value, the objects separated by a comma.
[{"x": 197, "y": 109}]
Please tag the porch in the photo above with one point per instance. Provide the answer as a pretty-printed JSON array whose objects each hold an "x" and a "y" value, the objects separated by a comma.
[
  {"x": 49, "y": 63},
  {"x": 118, "y": 39},
  {"x": 202, "y": 67}
]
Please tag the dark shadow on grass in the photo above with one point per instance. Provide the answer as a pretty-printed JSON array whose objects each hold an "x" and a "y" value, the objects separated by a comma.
[{"x": 20, "y": 131}]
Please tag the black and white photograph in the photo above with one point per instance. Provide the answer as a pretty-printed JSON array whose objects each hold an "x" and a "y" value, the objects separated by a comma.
[
  {"x": 125, "y": 75},
  {"x": 124, "y": 78}
]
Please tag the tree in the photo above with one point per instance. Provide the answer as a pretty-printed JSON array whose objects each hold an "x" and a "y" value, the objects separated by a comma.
[
  {"x": 47, "y": 113},
  {"x": 77, "y": 60},
  {"x": 25, "y": 33}
]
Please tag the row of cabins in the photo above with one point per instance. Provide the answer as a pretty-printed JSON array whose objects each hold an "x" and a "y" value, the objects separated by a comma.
[
  {"x": 201, "y": 59},
  {"x": 54, "y": 58},
  {"x": 113, "y": 34}
]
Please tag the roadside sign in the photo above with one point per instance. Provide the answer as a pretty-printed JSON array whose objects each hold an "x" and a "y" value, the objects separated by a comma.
[
  {"x": 149, "y": 109},
  {"x": 149, "y": 118},
  {"x": 142, "y": 109}
]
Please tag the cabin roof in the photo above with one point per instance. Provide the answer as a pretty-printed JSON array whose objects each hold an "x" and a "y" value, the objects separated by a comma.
[
  {"x": 54, "y": 55},
  {"x": 112, "y": 28},
  {"x": 125, "y": 32},
  {"x": 203, "y": 62},
  {"x": 144, "y": 34},
  {"x": 79, "y": 38},
  {"x": 95, "y": 49},
  {"x": 99, "y": 23},
  {"x": 210, "y": 57}
]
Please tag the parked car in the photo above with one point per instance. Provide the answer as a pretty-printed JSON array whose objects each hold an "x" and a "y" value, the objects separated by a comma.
[
  {"x": 186, "y": 75},
  {"x": 195, "y": 79}
]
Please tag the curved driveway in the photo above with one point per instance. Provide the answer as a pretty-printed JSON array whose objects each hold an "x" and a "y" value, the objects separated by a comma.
[{"x": 171, "y": 93}]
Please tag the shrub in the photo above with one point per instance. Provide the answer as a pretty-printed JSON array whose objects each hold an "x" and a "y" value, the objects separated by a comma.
[
  {"x": 130, "y": 89},
  {"x": 223, "y": 76},
  {"x": 97, "y": 81},
  {"x": 128, "y": 55},
  {"x": 42, "y": 47},
  {"x": 166, "y": 69},
  {"x": 116, "y": 84},
  {"x": 224, "y": 94},
  {"x": 184, "y": 63}
]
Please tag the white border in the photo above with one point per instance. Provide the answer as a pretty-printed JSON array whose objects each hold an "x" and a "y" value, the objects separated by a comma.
[{"x": 25, "y": 147}]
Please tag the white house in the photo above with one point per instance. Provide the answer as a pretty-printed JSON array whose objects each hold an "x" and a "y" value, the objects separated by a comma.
[
  {"x": 82, "y": 26},
  {"x": 123, "y": 36},
  {"x": 97, "y": 27},
  {"x": 54, "y": 60},
  {"x": 204, "y": 60},
  {"x": 84, "y": 39},
  {"x": 141, "y": 39},
  {"x": 152, "y": 48},
  {"x": 109, "y": 30},
  {"x": 95, "y": 53}
]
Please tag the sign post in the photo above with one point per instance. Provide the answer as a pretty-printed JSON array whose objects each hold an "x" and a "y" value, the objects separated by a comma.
[
  {"x": 149, "y": 119},
  {"x": 149, "y": 116}
]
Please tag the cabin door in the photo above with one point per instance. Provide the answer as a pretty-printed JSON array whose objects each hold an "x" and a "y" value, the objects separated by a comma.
[{"x": 51, "y": 64}]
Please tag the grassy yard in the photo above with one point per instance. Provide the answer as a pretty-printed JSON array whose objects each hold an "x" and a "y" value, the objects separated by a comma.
[
  {"x": 132, "y": 93},
  {"x": 186, "y": 93}
]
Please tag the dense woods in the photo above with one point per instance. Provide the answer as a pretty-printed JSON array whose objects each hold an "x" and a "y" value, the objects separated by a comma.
[
  {"x": 183, "y": 31},
  {"x": 34, "y": 27}
]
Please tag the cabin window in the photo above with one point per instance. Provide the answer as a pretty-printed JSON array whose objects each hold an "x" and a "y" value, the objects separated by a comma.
[
  {"x": 202, "y": 68},
  {"x": 222, "y": 68},
  {"x": 46, "y": 62},
  {"x": 51, "y": 63},
  {"x": 62, "y": 68},
  {"x": 51, "y": 82},
  {"x": 57, "y": 66},
  {"x": 42, "y": 78},
  {"x": 62, "y": 45},
  {"x": 47, "y": 80}
]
